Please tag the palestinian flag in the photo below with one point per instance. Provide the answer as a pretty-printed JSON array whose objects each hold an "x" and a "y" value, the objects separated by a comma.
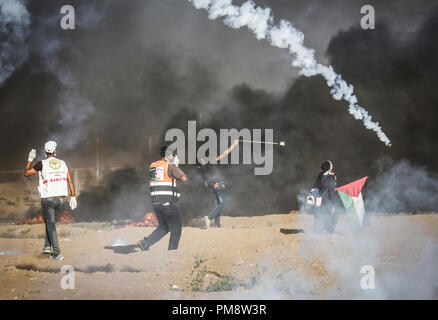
[{"x": 351, "y": 196}]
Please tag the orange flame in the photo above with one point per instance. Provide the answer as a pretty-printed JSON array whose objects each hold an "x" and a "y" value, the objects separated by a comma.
[
  {"x": 149, "y": 220},
  {"x": 66, "y": 217},
  {"x": 63, "y": 217},
  {"x": 34, "y": 220}
]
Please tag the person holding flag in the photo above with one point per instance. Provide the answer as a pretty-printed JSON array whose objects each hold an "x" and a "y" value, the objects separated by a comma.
[{"x": 326, "y": 216}]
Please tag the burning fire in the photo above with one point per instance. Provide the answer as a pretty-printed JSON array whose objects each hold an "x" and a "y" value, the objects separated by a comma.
[
  {"x": 65, "y": 217},
  {"x": 35, "y": 215},
  {"x": 149, "y": 220},
  {"x": 32, "y": 220}
]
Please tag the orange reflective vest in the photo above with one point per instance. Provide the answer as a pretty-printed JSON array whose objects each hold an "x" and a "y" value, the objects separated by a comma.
[{"x": 162, "y": 187}]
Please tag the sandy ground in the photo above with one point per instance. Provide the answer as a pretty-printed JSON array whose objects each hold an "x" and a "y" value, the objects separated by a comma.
[{"x": 266, "y": 257}]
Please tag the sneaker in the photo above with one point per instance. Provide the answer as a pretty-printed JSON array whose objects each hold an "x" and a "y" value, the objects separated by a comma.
[
  {"x": 57, "y": 257},
  {"x": 207, "y": 222},
  {"x": 47, "y": 250},
  {"x": 143, "y": 245}
]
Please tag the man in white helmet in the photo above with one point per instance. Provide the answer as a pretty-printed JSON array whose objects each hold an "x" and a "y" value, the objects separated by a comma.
[{"x": 54, "y": 183}]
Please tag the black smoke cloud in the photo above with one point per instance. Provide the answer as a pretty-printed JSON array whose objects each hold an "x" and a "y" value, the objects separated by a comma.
[
  {"x": 105, "y": 79},
  {"x": 147, "y": 66},
  {"x": 14, "y": 27},
  {"x": 121, "y": 195},
  {"x": 394, "y": 78}
]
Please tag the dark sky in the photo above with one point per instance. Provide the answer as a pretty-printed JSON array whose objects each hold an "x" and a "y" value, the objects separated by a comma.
[{"x": 133, "y": 68}]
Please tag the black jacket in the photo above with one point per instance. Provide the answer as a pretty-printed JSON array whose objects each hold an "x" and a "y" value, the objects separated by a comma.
[
  {"x": 211, "y": 175},
  {"x": 327, "y": 189}
]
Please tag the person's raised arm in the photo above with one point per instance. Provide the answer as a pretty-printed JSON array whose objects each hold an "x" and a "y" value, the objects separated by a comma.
[
  {"x": 177, "y": 173},
  {"x": 226, "y": 152},
  {"x": 29, "y": 171}
]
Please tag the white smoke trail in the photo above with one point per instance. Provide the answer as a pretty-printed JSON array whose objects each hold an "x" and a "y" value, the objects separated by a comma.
[
  {"x": 284, "y": 35},
  {"x": 14, "y": 28}
]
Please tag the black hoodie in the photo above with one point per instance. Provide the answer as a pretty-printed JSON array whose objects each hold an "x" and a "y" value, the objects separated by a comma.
[{"x": 326, "y": 183}]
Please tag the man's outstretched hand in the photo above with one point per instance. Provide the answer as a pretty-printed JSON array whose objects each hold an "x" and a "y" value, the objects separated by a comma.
[
  {"x": 32, "y": 155},
  {"x": 73, "y": 203}
]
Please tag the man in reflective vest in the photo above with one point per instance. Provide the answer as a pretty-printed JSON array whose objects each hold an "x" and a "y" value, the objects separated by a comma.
[
  {"x": 163, "y": 176},
  {"x": 54, "y": 182}
]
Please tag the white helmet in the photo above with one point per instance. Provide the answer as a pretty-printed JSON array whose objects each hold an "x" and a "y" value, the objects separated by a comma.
[{"x": 50, "y": 146}]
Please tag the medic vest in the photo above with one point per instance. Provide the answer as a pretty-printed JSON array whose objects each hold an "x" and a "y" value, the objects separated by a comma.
[
  {"x": 53, "y": 178},
  {"x": 162, "y": 187}
]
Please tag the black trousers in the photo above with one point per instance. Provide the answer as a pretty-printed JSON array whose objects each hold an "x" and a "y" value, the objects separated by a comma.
[
  {"x": 169, "y": 220},
  {"x": 325, "y": 220}
]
